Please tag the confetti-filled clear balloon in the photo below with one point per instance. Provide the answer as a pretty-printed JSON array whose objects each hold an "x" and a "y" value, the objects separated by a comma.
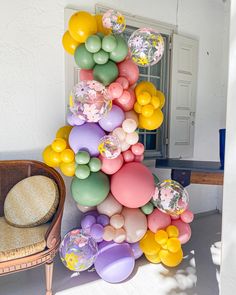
[
  {"x": 78, "y": 250},
  {"x": 114, "y": 20},
  {"x": 170, "y": 197},
  {"x": 109, "y": 147},
  {"x": 90, "y": 101},
  {"x": 146, "y": 47}
]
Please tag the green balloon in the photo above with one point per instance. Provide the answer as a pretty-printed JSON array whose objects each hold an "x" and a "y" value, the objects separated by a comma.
[
  {"x": 82, "y": 171},
  {"x": 109, "y": 43},
  {"x": 106, "y": 73},
  {"x": 93, "y": 43},
  {"x": 95, "y": 164},
  {"x": 156, "y": 179},
  {"x": 84, "y": 58},
  {"x": 100, "y": 35},
  {"x": 82, "y": 157},
  {"x": 92, "y": 190},
  {"x": 147, "y": 208},
  {"x": 101, "y": 57},
  {"x": 121, "y": 50}
]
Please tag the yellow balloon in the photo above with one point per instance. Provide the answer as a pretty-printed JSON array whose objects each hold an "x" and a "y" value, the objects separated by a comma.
[
  {"x": 161, "y": 237},
  {"x": 171, "y": 259},
  {"x": 156, "y": 102},
  {"x": 147, "y": 110},
  {"x": 138, "y": 108},
  {"x": 58, "y": 145},
  {"x": 81, "y": 25},
  {"x": 67, "y": 156},
  {"x": 172, "y": 231},
  {"x": 148, "y": 244},
  {"x": 50, "y": 157},
  {"x": 161, "y": 96},
  {"x": 100, "y": 27},
  {"x": 64, "y": 132},
  {"x": 69, "y": 43},
  {"x": 144, "y": 98},
  {"x": 68, "y": 169},
  {"x": 153, "y": 122},
  {"x": 153, "y": 258},
  {"x": 173, "y": 245},
  {"x": 145, "y": 86}
]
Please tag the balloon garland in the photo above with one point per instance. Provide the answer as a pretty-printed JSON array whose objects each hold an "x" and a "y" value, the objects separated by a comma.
[{"x": 127, "y": 210}]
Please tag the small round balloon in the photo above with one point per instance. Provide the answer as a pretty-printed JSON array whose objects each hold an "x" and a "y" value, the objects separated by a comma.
[
  {"x": 114, "y": 20},
  {"x": 146, "y": 47},
  {"x": 90, "y": 101},
  {"x": 78, "y": 250},
  {"x": 170, "y": 197},
  {"x": 109, "y": 147}
]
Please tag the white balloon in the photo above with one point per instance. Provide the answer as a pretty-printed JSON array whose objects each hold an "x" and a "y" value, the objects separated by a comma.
[
  {"x": 132, "y": 138},
  {"x": 129, "y": 125},
  {"x": 109, "y": 206},
  {"x": 119, "y": 133},
  {"x": 124, "y": 146},
  {"x": 117, "y": 221},
  {"x": 120, "y": 235}
]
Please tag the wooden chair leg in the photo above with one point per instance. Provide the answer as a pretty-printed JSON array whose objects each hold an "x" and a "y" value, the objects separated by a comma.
[{"x": 49, "y": 274}]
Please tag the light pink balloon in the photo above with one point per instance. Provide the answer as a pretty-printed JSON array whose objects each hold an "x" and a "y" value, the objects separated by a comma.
[
  {"x": 120, "y": 235},
  {"x": 129, "y": 70},
  {"x": 126, "y": 105},
  {"x": 187, "y": 216},
  {"x": 110, "y": 206},
  {"x": 86, "y": 75},
  {"x": 111, "y": 166},
  {"x": 158, "y": 220},
  {"x": 123, "y": 82},
  {"x": 117, "y": 221},
  {"x": 132, "y": 138},
  {"x": 131, "y": 115},
  {"x": 135, "y": 224},
  {"x": 184, "y": 230},
  {"x": 109, "y": 233},
  {"x": 137, "y": 149},
  {"x": 85, "y": 209},
  {"x": 175, "y": 217},
  {"x": 129, "y": 125},
  {"x": 128, "y": 156},
  {"x": 138, "y": 158},
  {"x": 124, "y": 98},
  {"x": 120, "y": 133},
  {"x": 115, "y": 90}
]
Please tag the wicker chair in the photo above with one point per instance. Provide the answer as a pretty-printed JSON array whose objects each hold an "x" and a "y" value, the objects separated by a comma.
[{"x": 11, "y": 172}]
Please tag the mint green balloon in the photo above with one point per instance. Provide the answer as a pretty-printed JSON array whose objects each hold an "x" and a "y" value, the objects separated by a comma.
[
  {"x": 147, "y": 208},
  {"x": 121, "y": 50},
  {"x": 84, "y": 58},
  {"x": 109, "y": 43},
  {"x": 95, "y": 164},
  {"x": 93, "y": 43},
  {"x": 100, "y": 35},
  {"x": 82, "y": 157},
  {"x": 82, "y": 171},
  {"x": 92, "y": 190},
  {"x": 101, "y": 57},
  {"x": 106, "y": 73}
]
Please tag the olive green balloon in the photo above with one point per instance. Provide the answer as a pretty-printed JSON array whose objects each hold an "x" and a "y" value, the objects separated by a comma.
[
  {"x": 82, "y": 171},
  {"x": 156, "y": 179},
  {"x": 121, "y": 50},
  {"x": 82, "y": 157},
  {"x": 95, "y": 164},
  {"x": 147, "y": 208},
  {"x": 106, "y": 73},
  {"x": 101, "y": 57},
  {"x": 93, "y": 43},
  {"x": 109, "y": 43},
  {"x": 92, "y": 190},
  {"x": 84, "y": 58}
]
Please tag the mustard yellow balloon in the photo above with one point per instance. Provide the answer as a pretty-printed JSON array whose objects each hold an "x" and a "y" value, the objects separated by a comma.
[
  {"x": 100, "y": 27},
  {"x": 161, "y": 96},
  {"x": 171, "y": 259},
  {"x": 58, "y": 145},
  {"x": 173, "y": 245},
  {"x": 69, "y": 43},
  {"x": 67, "y": 156},
  {"x": 50, "y": 157},
  {"x": 161, "y": 237},
  {"x": 147, "y": 110},
  {"x": 64, "y": 132},
  {"x": 156, "y": 102},
  {"x": 138, "y": 108},
  {"x": 148, "y": 244},
  {"x": 145, "y": 86},
  {"x": 153, "y": 122},
  {"x": 144, "y": 98},
  {"x": 81, "y": 25},
  {"x": 68, "y": 169},
  {"x": 153, "y": 258},
  {"x": 172, "y": 231}
]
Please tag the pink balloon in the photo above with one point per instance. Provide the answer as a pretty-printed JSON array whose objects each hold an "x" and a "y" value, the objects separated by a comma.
[
  {"x": 184, "y": 230},
  {"x": 187, "y": 216},
  {"x": 109, "y": 206},
  {"x": 115, "y": 90},
  {"x": 129, "y": 70},
  {"x": 126, "y": 101},
  {"x": 158, "y": 220},
  {"x": 85, "y": 75},
  {"x": 123, "y": 82},
  {"x": 124, "y": 98},
  {"x": 137, "y": 149},
  {"x": 131, "y": 115},
  {"x": 139, "y": 158},
  {"x": 174, "y": 217},
  {"x": 133, "y": 185},
  {"x": 128, "y": 156},
  {"x": 111, "y": 166}
]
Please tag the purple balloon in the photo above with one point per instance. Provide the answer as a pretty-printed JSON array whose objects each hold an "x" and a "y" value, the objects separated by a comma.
[
  {"x": 73, "y": 119},
  {"x": 103, "y": 219},
  {"x": 114, "y": 262},
  {"x": 136, "y": 250},
  {"x": 113, "y": 119},
  {"x": 96, "y": 232},
  {"x": 87, "y": 222},
  {"x": 86, "y": 137}
]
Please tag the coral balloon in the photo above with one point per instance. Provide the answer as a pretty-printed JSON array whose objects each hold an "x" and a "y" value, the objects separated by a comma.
[
  {"x": 69, "y": 43},
  {"x": 129, "y": 70},
  {"x": 153, "y": 122},
  {"x": 123, "y": 82},
  {"x": 109, "y": 206},
  {"x": 158, "y": 220},
  {"x": 111, "y": 166},
  {"x": 187, "y": 216},
  {"x": 128, "y": 156},
  {"x": 86, "y": 75},
  {"x": 126, "y": 100},
  {"x": 115, "y": 90},
  {"x": 137, "y": 149},
  {"x": 184, "y": 230},
  {"x": 139, "y": 158}
]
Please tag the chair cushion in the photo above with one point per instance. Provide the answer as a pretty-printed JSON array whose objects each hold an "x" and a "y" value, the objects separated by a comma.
[
  {"x": 18, "y": 242},
  {"x": 32, "y": 201}
]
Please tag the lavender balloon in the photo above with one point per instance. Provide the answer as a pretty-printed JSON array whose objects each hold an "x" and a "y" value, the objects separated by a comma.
[
  {"x": 136, "y": 250},
  {"x": 87, "y": 221},
  {"x": 96, "y": 232},
  {"x": 86, "y": 137},
  {"x": 103, "y": 220},
  {"x": 113, "y": 119},
  {"x": 74, "y": 120}
]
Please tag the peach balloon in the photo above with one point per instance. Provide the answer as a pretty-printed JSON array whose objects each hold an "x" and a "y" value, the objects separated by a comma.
[
  {"x": 135, "y": 224},
  {"x": 132, "y": 138},
  {"x": 119, "y": 133},
  {"x": 85, "y": 75},
  {"x": 117, "y": 221},
  {"x": 109, "y": 206},
  {"x": 131, "y": 115},
  {"x": 128, "y": 156},
  {"x": 123, "y": 82},
  {"x": 187, "y": 216},
  {"x": 129, "y": 70},
  {"x": 184, "y": 230},
  {"x": 111, "y": 166},
  {"x": 129, "y": 125},
  {"x": 137, "y": 149},
  {"x": 109, "y": 233},
  {"x": 158, "y": 220},
  {"x": 120, "y": 235},
  {"x": 124, "y": 146}
]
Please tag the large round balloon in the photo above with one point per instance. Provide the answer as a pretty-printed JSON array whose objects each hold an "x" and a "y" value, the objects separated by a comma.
[
  {"x": 133, "y": 185},
  {"x": 89, "y": 101},
  {"x": 153, "y": 122},
  {"x": 146, "y": 47},
  {"x": 86, "y": 137},
  {"x": 114, "y": 20},
  {"x": 92, "y": 190},
  {"x": 106, "y": 73},
  {"x": 129, "y": 70},
  {"x": 113, "y": 119},
  {"x": 78, "y": 251}
]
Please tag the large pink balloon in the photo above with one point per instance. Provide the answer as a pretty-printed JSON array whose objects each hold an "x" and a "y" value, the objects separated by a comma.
[
  {"x": 86, "y": 75},
  {"x": 158, "y": 220},
  {"x": 126, "y": 101},
  {"x": 135, "y": 224},
  {"x": 111, "y": 166},
  {"x": 184, "y": 230},
  {"x": 109, "y": 206},
  {"x": 133, "y": 185},
  {"x": 129, "y": 70}
]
